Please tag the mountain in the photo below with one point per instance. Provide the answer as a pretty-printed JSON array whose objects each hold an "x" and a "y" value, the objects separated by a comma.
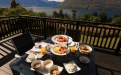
[
  {"x": 92, "y": 4},
  {"x": 39, "y": 3}
]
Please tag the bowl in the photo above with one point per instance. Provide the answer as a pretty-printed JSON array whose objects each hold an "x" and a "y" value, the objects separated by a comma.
[
  {"x": 36, "y": 64},
  {"x": 47, "y": 64},
  {"x": 54, "y": 70},
  {"x": 85, "y": 49}
]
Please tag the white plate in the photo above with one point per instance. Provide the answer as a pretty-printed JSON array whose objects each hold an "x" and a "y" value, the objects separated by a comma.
[
  {"x": 66, "y": 67},
  {"x": 52, "y": 50},
  {"x": 54, "y": 39}
]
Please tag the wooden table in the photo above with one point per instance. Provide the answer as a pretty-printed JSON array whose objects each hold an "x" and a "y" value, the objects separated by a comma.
[{"x": 20, "y": 65}]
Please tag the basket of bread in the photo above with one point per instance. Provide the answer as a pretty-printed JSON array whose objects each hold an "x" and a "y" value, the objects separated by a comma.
[{"x": 85, "y": 49}]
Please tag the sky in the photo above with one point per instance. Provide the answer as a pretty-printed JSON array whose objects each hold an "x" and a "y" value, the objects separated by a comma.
[{"x": 57, "y": 0}]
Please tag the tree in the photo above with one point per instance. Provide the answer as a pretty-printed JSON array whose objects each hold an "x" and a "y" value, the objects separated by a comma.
[
  {"x": 116, "y": 20},
  {"x": 109, "y": 20},
  {"x": 42, "y": 14},
  {"x": 55, "y": 14},
  {"x": 103, "y": 16},
  {"x": 60, "y": 14},
  {"x": 116, "y": 15},
  {"x": 13, "y": 4},
  {"x": 73, "y": 14},
  {"x": 65, "y": 15},
  {"x": 85, "y": 16},
  {"x": 94, "y": 19},
  {"x": 94, "y": 14}
]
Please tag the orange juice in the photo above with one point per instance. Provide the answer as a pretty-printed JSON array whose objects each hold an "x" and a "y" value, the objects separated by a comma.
[
  {"x": 43, "y": 51},
  {"x": 73, "y": 49}
]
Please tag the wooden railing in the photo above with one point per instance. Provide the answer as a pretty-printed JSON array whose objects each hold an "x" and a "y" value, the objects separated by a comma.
[{"x": 107, "y": 36}]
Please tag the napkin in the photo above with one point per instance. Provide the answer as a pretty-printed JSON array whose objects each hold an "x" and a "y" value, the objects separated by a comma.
[{"x": 31, "y": 57}]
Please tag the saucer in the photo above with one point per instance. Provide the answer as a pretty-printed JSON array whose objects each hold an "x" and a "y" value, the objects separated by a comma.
[{"x": 87, "y": 59}]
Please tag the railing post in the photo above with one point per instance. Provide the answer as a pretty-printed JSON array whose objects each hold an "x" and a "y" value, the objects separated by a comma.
[
  {"x": 21, "y": 25},
  {"x": 118, "y": 47},
  {"x": 77, "y": 25},
  {"x": 44, "y": 23}
]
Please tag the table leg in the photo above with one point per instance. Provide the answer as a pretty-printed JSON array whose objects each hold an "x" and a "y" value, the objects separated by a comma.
[{"x": 15, "y": 72}]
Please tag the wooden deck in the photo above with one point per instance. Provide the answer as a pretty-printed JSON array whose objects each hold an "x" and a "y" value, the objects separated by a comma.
[{"x": 106, "y": 64}]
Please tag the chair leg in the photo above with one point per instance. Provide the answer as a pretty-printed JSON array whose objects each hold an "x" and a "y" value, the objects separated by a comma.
[{"x": 96, "y": 68}]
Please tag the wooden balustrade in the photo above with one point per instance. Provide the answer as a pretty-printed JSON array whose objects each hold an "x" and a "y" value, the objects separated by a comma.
[{"x": 101, "y": 35}]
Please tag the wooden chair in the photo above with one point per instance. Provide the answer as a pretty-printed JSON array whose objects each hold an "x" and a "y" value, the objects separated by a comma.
[
  {"x": 23, "y": 43},
  {"x": 75, "y": 34}
]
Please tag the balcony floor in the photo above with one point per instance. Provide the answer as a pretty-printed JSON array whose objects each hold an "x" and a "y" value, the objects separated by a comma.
[
  {"x": 7, "y": 52},
  {"x": 107, "y": 64}
]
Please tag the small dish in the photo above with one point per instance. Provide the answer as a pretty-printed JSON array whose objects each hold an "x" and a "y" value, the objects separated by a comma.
[
  {"x": 57, "y": 68},
  {"x": 36, "y": 64},
  {"x": 47, "y": 64},
  {"x": 71, "y": 67},
  {"x": 84, "y": 59}
]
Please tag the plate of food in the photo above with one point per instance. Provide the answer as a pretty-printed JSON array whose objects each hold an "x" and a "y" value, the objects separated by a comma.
[
  {"x": 63, "y": 39},
  {"x": 71, "y": 67},
  {"x": 60, "y": 50},
  {"x": 85, "y": 49}
]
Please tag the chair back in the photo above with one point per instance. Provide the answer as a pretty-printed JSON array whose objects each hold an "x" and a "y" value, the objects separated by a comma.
[
  {"x": 75, "y": 34},
  {"x": 23, "y": 43}
]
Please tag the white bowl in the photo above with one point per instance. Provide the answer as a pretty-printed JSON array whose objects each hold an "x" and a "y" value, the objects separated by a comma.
[
  {"x": 85, "y": 52},
  {"x": 54, "y": 67},
  {"x": 36, "y": 62},
  {"x": 47, "y": 64}
]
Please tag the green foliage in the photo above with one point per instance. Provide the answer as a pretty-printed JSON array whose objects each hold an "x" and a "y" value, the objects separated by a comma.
[
  {"x": 85, "y": 16},
  {"x": 116, "y": 20},
  {"x": 73, "y": 14},
  {"x": 102, "y": 16},
  {"x": 60, "y": 14},
  {"x": 94, "y": 14},
  {"x": 21, "y": 11},
  {"x": 109, "y": 19},
  {"x": 42, "y": 14},
  {"x": 14, "y": 4},
  {"x": 55, "y": 14},
  {"x": 94, "y": 19}
]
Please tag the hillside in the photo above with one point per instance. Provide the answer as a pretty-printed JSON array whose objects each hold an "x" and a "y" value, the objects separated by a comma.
[
  {"x": 39, "y": 3},
  {"x": 92, "y": 4}
]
